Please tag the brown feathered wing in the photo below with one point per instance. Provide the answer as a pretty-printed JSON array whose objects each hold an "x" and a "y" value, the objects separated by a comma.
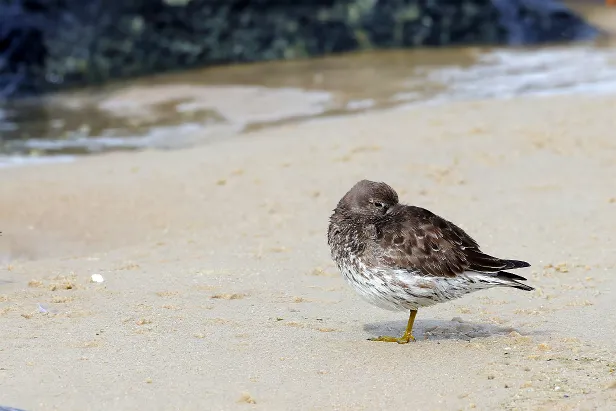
[{"x": 416, "y": 239}]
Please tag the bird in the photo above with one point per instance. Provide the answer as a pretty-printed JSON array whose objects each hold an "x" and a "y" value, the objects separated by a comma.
[{"x": 401, "y": 257}]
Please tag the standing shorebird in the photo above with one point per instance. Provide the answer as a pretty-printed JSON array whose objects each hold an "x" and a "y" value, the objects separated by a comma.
[{"x": 401, "y": 257}]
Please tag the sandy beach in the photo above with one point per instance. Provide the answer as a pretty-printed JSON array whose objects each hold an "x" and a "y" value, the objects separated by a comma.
[{"x": 220, "y": 294}]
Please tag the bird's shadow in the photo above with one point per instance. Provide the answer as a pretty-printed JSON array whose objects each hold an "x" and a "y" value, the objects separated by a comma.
[{"x": 455, "y": 329}]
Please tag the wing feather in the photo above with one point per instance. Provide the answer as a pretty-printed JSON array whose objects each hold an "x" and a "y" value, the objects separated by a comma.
[{"x": 418, "y": 240}]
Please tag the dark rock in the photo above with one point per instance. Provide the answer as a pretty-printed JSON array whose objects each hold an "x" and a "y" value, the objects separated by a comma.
[
  {"x": 46, "y": 45},
  {"x": 541, "y": 21}
]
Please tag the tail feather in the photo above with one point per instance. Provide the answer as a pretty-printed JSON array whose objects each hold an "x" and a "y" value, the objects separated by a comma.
[
  {"x": 510, "y": 276},
  {"x": 482, "y": 262},
  {"x": 511, "y": 264},
  {"x": 511, "y": 280}
]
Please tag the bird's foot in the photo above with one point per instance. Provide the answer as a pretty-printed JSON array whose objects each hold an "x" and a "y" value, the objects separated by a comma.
[{"x": 402, "y": 340}]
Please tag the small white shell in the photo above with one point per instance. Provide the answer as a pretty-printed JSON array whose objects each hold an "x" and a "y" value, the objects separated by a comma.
[{"x": 97, "y": 278}]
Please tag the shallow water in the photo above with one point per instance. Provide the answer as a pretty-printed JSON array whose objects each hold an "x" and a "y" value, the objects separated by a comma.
[{"x": 179, "y": 109}]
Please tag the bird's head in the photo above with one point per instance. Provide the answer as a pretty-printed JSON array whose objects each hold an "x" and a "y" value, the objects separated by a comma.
[{"x": 368, "y": 198}]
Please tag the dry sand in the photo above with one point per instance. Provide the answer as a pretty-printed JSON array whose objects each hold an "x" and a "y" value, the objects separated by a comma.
[{"x": 219, "y": 291}]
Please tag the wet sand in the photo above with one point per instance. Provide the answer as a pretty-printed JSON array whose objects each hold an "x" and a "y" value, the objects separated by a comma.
[{"x": 219, "y": 291}]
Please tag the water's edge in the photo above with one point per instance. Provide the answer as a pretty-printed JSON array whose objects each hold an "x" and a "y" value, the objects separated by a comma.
[{"x": 183, "y": 109}]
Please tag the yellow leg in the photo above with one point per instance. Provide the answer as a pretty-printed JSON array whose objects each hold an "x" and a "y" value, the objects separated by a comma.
[{"x": 406, "y": 337}]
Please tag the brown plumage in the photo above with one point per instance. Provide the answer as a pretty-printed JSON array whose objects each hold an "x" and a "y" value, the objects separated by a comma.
[
  {"x": 413, "y": 237},
  {"x": 404, "y": 257}
]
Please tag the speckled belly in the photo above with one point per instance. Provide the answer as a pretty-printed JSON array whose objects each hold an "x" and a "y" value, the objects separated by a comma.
[{"x": 398, "y": 290}]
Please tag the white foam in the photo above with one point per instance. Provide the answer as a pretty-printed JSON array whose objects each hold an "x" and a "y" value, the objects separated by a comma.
[
  {"x": 506, "y": 74},
  {"x": 17, "y": 161},
  {"x": 157, "y": 137}
]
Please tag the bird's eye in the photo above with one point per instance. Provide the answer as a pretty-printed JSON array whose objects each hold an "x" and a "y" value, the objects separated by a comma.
[{"x": 378, "y": 204}]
